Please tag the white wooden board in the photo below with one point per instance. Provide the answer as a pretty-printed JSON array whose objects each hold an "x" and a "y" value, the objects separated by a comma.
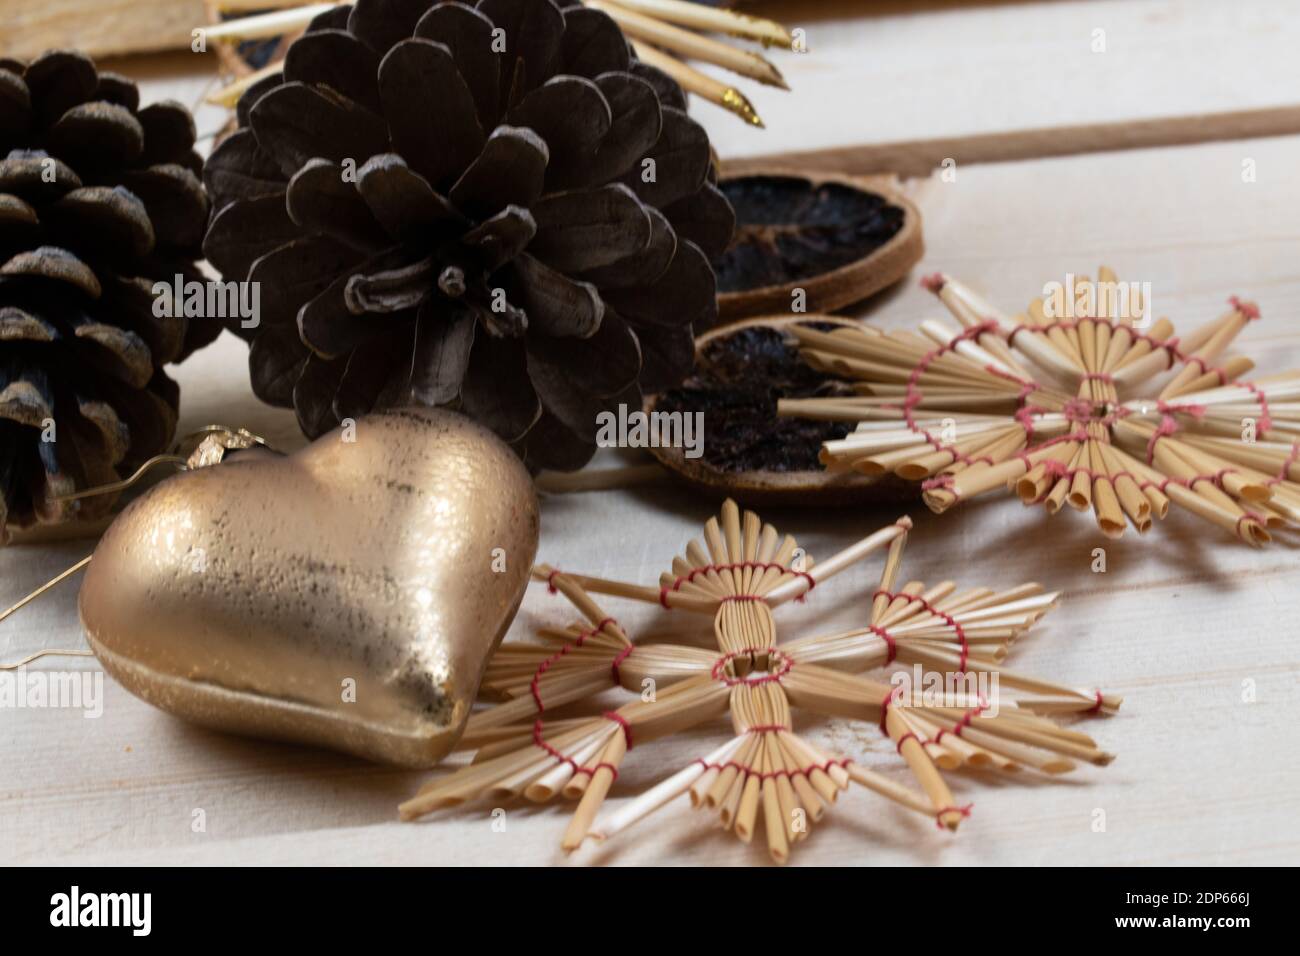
[
  {"x": 887, "y": 71},
  {"x": 1178, "y": 623}
]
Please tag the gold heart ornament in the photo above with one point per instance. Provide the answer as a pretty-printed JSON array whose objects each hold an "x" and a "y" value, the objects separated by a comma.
[{"x": 346, "y": 596}]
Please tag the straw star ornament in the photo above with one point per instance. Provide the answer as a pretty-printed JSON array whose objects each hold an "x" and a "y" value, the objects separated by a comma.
[
  {"x": 739, "y": 574},
  {"x": 1068, "y": 411}
]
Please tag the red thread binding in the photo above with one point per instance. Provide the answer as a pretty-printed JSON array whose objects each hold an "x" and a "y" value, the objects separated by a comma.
[
  {"x": 1170, "y": 345},
  {"x": 914, "y": 394},
  {"x": 964, "y": 811},
  {"x": 546, "y": 665},
  {"x": 540, "y": 741},
  {"x": 1249, "y": 309},
  {"x": 1055, "y": 468},
  {"x": 622, "y": 656},
  {"x": 1285, "y": 473},
  {"x": 534, "y": 687},
  {"x": 720, "y": 664},
  {"x": 890, "y": 643},
  {"x": 962, "y": 724},
  {"x": 1265, "y": 417},
  {"x": 1025, "y": 418},
  {"x": 774, "y": 774},
  {"x": 944, "y": 480},
  {"x": 1169, "y": 408},
  {"x": 906, "y": 737},
  {"x": 1207, "y": 368},
  {"x": 1078, "y": 410},
  {"x": 893, "y": 695},
  {"x": 1250, "y": 516},
  {"x": 619, "y": 719},
  {"x": 739, "y": 565},
  {"x": 947, "y": 618},
  {"x": 1096, "y": 708},
  {"x": 1166, "y": 427}
]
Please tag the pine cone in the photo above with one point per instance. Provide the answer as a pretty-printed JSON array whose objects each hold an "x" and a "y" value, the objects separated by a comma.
[
  {"x": 433, "y": 221},
  {"x": 99, "y": 199}
]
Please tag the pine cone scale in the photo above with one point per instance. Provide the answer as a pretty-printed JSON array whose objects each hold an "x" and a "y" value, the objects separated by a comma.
[
  {"x": 58, "y": 82},
  {"x": 276, "y": 358},
  {"x": 243, "y": 232},
  {"x": 336, "y": 59},
  {"x": 468, "y": 35},
  {"x": 636, "y": 123},
  {"x": 15, "y": 105},
  {"x": 48, "y": 262},
  {"x": 643, "y": 266},
  {"x": 533, "y": 35},
  {"x": 497, "y": 390},
  {"x": 510, "y": 171},
  {"x": 593, "y": 44},
  {"x": 295, "y": 123},
  {"x": 380, "y": 24},
  {"x": 581, "y": 230},
  {"x": 329, "y": 327},
  {"x": 110, "y": 222},
  {"x": 239, "y": 167},
  {"x": 36, "y": 177},
  {"x": 98, "y": 133},
  {"x": 18, "y": 325},
  {"x": 174, "y": 202},
  {"x": 432, "y": 118},
  {"x": 321, "y": 202},
  {"x": 297, "y": 272},
  {"x": 555, "y": 304},
  {"x": 25, "y": 400},
  {"x": 444, "y": 339},
  {"x": 572, "y": 116}
]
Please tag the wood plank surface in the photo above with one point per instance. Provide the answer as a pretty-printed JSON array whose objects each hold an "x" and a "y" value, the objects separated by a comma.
[
  {"x": 900, "y": 71},
  {"x": 1182, "y": 623},
  {"x": 98, "y": 27}
]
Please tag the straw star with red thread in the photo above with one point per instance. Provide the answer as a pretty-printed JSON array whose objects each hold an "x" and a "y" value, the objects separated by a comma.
[
  {"x": 1062, "y": 410},
  {"x": 741, "y": 571}
]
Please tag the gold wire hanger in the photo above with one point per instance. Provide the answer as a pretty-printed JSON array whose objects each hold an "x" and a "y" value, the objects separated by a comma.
[{"x": 214, "y": 441}]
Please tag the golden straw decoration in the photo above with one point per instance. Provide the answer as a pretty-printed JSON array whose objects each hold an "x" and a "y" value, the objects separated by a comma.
[
  {"x": 766, "y": 779},
  {"x": 1084, "y": 402}
]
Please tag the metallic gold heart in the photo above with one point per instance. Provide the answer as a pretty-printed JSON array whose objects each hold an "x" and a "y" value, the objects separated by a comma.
[{"x": 348, "y": 595}]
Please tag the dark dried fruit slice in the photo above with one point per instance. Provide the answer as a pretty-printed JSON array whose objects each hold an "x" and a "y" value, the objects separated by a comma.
[
  {"x": 839, "y": 238},
  {"x": 750, "y": 453}
]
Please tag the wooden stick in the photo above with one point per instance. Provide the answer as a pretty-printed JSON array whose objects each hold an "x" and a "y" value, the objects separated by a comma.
[
  {"x": 698, "y": 17},
  {"x": 691, "y": 45},
  {"x": 264, "y": 25},
  {"x": 921, "y": 157}
]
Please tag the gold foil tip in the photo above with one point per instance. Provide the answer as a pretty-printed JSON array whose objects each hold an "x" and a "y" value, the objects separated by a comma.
[{"x": 735, "y": 101}]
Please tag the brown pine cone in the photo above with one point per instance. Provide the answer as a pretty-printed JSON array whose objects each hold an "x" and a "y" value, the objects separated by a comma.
[
  {"x": 99, "y": 200},
  {"x": 434, "y": 221}
]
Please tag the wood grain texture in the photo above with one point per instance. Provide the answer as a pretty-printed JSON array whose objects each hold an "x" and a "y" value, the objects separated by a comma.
[
  {"x": 902, "y": 71},
  {"x": 97, "y": 27},
  {"x": 1178, "y": 624},
  {"x": 919, "y": 157}
]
